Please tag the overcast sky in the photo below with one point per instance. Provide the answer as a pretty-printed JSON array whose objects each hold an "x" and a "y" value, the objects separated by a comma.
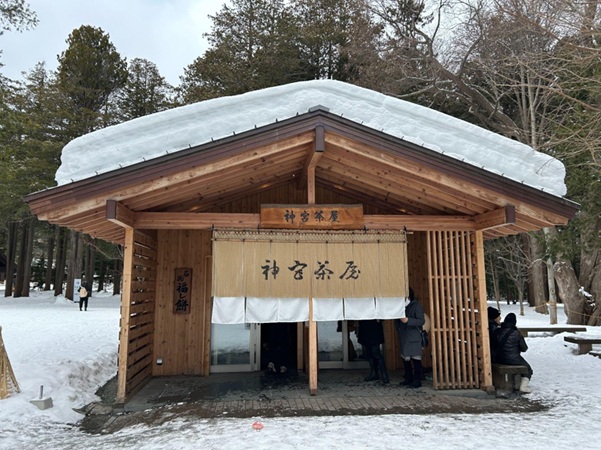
[{"x": 166, "y": 32}]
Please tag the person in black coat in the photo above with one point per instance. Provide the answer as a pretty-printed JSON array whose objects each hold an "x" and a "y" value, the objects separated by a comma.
[
  {"x": 510, "y": 345},
  {"x": 494, "y": 324},
  {"x": 409, "y": 330},
  {"x": 371, "y": 336}
]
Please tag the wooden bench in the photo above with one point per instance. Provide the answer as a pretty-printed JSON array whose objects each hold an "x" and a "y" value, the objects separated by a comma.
[
  {"x": 507, "y": 377},
  {"x": 585, "y": 345},
  {"x": 550, "y": 329}
]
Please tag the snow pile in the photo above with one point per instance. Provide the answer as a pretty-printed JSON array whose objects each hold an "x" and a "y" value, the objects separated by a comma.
[{"x": 187, "y": 126}]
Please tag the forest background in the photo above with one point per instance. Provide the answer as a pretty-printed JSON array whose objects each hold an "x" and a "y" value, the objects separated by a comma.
[{"x": 527, "y": 69}]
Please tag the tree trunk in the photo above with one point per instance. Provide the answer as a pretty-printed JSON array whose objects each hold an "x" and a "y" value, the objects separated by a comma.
[
  {"x": 29, "y": 231},
  {"x": 59, "y": 266},
  {"x": 50, "y": 260},
  {"x": 590, "y": 271},
  {"x": 101, "y": 274},
  {"x": 11, "y": 249},
  {"x": 536, "y": 276},
  {"x": 90, "y": 265},
  {"x": 552, "y": 293},
  {"x": 73, "y": 263},
  {"x": 21, "y": 261},
  {"x": 117, "y": 277},
  {"x": 569, "y": 292}
]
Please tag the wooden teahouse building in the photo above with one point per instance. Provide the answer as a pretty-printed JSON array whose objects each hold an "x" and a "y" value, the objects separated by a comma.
[{"x": 279, "y": 217}]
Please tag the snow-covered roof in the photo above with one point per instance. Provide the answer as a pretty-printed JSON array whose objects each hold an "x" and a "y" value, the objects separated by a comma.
[{"x": 191, "y": 125}]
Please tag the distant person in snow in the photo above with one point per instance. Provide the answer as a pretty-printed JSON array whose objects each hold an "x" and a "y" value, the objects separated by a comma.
[
  {"x": 84, "y": 295},
  {"x": 510, "y": 343}
]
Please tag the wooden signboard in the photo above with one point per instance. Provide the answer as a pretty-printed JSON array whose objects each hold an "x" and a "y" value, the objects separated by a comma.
[
  {"x": 183, "y": 291},
  {"x": 315, "y": 217}
]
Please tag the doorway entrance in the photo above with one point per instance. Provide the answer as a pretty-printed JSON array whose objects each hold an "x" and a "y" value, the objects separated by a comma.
[
  {"x": 337, "y": 345},
  {"x": 252, "y": 347}
]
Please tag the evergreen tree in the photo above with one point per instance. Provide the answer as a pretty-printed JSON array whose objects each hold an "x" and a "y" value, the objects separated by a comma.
[
  {"x": 145, "y": 91},
  {"x": 90, "y": 72},
  {"x": 254, "y": 45}
]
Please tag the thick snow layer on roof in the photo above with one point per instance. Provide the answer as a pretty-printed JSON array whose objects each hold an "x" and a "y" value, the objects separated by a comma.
[{"x": 180, "y": 128}]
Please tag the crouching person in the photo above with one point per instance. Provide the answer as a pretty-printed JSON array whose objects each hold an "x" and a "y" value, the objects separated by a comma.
[{"x": 510, "y": 345}]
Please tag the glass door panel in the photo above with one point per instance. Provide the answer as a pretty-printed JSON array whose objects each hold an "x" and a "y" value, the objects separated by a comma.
[
  {"x": 337, "y": 346},
  {"x": 233, "y": 347},
  {"x": 329, "y": 345}
]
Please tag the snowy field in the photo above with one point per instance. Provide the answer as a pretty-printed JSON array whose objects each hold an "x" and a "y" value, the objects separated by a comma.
[{"x": 72, "y": 353}]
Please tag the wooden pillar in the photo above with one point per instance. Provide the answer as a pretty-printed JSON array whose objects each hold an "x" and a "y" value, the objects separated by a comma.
[
  {"x": 312, "y": 350},
  {"x": 128, "y": 259},
  {"x": 486, "y": 382},
  {"x": 300, "y": 346}
]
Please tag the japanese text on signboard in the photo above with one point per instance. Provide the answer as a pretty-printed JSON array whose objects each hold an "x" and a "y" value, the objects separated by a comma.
[
  {"x": 183, "y": 291},
  {"x": 271, "y": 269}
]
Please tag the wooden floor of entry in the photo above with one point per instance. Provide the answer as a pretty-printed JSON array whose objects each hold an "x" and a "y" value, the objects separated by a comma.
[{"x": 342, "y": 392}]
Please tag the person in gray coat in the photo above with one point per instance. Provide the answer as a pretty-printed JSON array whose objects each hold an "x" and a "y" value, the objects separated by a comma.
[{"x": 409, "y": 330}]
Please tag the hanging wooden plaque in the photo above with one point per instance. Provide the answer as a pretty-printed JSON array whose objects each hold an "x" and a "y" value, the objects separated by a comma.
[
  {"x": 182, "y": 291},
  {"x": 316, "y": 217}
]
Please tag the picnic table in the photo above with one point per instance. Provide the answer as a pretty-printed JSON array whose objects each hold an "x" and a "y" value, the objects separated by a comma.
[
  {"x": 585, "y": 344},
  {"x": 551, "y": 329}
]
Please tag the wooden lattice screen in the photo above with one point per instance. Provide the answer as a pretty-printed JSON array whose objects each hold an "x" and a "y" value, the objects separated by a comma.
[
  {"x": 137, "y": 313},
  {"x": 454, "y": 309}
]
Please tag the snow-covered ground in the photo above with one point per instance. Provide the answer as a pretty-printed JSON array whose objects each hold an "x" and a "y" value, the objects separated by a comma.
[{"x": 71, "y": 353}]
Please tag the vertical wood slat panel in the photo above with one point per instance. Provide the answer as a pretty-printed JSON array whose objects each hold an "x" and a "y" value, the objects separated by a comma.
[
  {"x": 137, "y": 313},
  {"x": 455, "y": 318}
]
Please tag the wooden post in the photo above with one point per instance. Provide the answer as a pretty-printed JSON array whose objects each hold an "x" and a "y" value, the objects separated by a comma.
[
  {"x": 312, "y": 350},
  {"x": 300, "y": 345},
  {"x": 482, "y": 307},
  {"x": 128, "y": 259}
]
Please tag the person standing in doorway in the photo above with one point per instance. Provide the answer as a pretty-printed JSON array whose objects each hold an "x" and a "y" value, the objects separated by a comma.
[
  {"x": 409, "y": 330},
  {"x": 371, "y": 336},
  {"x": 84, "y": 295}
]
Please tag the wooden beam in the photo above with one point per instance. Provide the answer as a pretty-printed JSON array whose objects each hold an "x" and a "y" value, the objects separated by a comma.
[
  {"x": 206, "y": 221},
  {"x": 496, "y": 218},
  {"x": 308, "y": 173},
  {"x": 120, "y": 214},
  {"x": 419, "y": 223},
  {"x": 195, "y": 221}
]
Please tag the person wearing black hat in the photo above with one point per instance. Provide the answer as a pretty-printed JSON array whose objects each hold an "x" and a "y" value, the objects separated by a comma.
[
  {"x": 409, "y": 329},
  {"x": 510, "y": 345},
  {"x": 494, "y": 324}
]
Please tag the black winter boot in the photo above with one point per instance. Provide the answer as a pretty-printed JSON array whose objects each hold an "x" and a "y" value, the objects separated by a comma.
[
  {"x": 408, "y": 375},
  {"x": 373, "y": 375},
  {"x": 417, "y": 373},
  {"x": 383, "y": 370}
]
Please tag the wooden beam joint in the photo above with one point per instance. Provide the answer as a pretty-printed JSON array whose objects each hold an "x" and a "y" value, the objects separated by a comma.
[
  {"x": 120, "y": 214},
  {"x": 496, "y": 218}
]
